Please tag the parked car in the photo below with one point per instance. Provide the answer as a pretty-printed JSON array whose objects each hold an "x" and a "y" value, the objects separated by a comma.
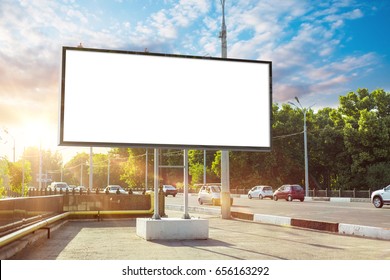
[
  {"x": 381, "y": 197},
  {"x": 169, "y": 190},
  {"x": 261, "y": 192},
  {"x": 114, "y": 189},
  {"x": 59, "y": 187},
  {"x": 211, "y": 194},
  {"x": 290, "y": 192}
]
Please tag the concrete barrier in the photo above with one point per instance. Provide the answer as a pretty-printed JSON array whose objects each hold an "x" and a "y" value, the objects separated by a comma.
[{"x": 340, "y": 199}]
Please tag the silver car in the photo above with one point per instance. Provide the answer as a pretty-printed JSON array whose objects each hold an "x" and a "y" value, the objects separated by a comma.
[
  {"x": 261, "y": 192},
  {"x": 59, "y": 187}
]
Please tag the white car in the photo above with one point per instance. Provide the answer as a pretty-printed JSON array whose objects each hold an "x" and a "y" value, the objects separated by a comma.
[
  {"x": 169, "y": 190},
  {"x": 211, "y": 195},
  {"x": 261, "y": 192},
  {"x": 381, "y": 197},
  {"x": 114, "y": 189}
]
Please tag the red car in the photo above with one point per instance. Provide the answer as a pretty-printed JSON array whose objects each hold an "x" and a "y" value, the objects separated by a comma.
[
  {"x": 169, "y": 190},
  {"x": 290, "y": 192}
]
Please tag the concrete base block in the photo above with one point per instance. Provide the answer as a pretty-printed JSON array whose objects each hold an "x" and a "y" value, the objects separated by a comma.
[{"x": 172, "y": 229}]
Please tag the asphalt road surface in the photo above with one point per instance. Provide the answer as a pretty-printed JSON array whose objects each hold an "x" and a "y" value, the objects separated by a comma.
[{"x": 359, "y": 213}]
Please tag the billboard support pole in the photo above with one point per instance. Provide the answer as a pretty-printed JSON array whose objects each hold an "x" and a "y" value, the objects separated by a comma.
[
  {"x": 156, "y": 215},
  {"x": 186, "y": 215}
]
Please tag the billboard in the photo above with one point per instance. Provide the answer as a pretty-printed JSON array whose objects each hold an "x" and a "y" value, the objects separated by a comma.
[{"x": 133, "y": 99}]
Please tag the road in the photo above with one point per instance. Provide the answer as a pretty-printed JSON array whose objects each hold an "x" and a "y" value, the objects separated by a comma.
[{"x": 359, "y": 213}]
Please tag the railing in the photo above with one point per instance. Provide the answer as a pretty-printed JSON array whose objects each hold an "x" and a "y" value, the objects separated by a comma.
[
  {"x": 312, "y": 192},
  {"x": 322, "y": 193},
  {"x": 341, "y": 193}
]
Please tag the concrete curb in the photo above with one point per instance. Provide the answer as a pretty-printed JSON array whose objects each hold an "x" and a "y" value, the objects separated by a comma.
[
  {"x": 365, "y": 231},
  {"x": 340, "y": 228}
]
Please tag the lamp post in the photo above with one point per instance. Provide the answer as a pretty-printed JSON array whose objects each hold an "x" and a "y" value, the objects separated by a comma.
[
  {"x": 13, "y": 139},
  {"x": 304, "y": 111},
  {"x": 225, "y": 178}
]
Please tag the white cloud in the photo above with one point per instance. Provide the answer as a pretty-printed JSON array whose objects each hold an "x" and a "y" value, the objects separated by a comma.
[{"x": 300, "y": 37}]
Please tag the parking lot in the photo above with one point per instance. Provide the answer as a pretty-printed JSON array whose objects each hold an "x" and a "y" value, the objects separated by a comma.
[{"x": 360, "y": 213}]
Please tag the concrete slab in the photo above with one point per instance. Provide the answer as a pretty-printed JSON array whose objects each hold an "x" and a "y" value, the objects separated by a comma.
[{"x": 172, "y": 229}]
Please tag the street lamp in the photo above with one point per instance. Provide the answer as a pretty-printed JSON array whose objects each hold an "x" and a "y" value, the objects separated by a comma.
[
  {"x": 304, "y": 111},
  {"x": 13, "y": 139},
  {"x": 225, "y": 191}
]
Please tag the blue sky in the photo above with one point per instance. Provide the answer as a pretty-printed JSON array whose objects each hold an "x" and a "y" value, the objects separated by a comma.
[{"x": 319, "y": 49}]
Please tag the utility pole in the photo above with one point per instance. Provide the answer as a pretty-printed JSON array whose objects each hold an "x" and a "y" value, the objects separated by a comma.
[{"x": 225, "y": 178}]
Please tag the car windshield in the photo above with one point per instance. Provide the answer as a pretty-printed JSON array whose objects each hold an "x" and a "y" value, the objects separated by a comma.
[
  {"x": 61, "y": 186},
  {"x": 215, "y": 189}
]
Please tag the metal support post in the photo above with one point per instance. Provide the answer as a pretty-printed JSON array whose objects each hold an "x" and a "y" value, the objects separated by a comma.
[
  {"x": 225, "y": 193},
  {"x": 186, "y": 215},
  {"x": 156, "y": 215}
]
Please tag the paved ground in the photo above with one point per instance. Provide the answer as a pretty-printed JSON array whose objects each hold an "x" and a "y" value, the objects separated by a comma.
[{"x": 228, "y": 239}]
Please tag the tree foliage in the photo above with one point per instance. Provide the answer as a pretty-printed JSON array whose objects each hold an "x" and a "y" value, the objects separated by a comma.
[{"x": 20, "y": 176}]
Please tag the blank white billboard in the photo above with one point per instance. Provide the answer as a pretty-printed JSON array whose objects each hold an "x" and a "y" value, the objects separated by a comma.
[{"x": 119, "y": 98}]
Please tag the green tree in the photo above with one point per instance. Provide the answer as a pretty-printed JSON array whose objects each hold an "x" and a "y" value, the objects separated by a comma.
[
  {"x": 100, "y": 170},
  {"x": 75, "y": 171},
  {"x": 4, "y": 176},
  {"x": 51, "y": 163},
  {"x": 196, "y": 166},
  {"x": 328, "y": 156},
  {"x": 20, "y": 176},
  {"x": 117, "y": 158},
  {"x": 133, "y": 171},
  {"x": 366, "y": 133}
]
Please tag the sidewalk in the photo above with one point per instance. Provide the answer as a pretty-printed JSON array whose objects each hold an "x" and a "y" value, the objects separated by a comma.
[{"x": 228, "y": 239}]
